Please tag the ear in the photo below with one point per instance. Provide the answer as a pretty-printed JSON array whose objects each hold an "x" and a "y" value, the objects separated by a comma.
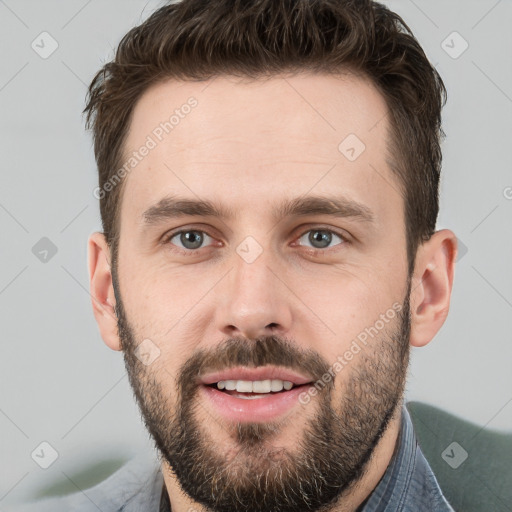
[
  {"x": 102, "y": 290},
  {"x": 432, "y": 285}
]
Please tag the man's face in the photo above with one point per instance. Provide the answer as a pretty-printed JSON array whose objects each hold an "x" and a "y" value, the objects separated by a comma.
[{"x": 263, "y": 295}]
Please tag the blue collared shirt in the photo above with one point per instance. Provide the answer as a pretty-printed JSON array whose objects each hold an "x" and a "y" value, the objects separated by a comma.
[{"x": 408, "y": 485}]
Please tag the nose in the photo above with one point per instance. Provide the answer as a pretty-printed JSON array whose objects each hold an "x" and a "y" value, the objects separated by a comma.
[{"x": 254, "y": 300}]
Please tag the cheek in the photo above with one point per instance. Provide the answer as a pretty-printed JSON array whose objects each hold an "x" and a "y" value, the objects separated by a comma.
[
  {"x": 153, "y": 303},
  {"x": 355, "y": 309}
]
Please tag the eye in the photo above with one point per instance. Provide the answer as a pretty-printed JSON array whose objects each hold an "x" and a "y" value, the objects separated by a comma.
[
  {"x": 321, "y": 238},
  {"x": 190, "y": 240}
]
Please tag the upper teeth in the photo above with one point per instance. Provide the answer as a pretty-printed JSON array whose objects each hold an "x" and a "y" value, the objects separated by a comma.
[{"x": 255, "y": 386}]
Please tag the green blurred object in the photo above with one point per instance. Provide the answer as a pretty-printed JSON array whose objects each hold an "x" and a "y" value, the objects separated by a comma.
[
  {"x": 483, "y": 481},
  {"x": 84, "y": 479}
]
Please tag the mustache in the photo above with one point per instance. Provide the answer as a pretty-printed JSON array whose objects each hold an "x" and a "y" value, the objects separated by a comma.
[{"x": 263, "y": 351}]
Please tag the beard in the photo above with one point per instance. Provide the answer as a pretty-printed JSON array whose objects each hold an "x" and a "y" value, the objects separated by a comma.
[{"x": 330, "y": 455}]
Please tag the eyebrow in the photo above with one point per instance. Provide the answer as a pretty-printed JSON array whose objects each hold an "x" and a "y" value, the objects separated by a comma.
[{"x": 170, "y": 207}]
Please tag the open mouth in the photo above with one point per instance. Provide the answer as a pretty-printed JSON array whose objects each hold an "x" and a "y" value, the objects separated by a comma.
[
  {"x": 253, "y": 394},
  {"x": 253, "y": 389}
]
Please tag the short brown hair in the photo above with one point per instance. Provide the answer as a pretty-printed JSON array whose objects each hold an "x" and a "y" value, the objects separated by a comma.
[{"x": 200, "y": 39}]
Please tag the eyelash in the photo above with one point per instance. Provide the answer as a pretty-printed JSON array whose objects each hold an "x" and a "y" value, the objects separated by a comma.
[{"x": 167, "y": 239}]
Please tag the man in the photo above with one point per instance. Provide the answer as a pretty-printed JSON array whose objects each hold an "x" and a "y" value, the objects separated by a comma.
[{"x": 268, "y": 186}]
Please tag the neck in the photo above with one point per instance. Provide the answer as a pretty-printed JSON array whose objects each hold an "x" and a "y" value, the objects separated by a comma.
[{"x": 349, "y": 502}]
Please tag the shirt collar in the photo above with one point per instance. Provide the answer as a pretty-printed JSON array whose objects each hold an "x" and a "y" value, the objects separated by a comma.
[{"x": 394, "y": 484}]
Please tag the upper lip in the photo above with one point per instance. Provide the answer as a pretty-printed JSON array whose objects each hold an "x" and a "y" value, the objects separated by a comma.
[{"x": 254, "y": 374}]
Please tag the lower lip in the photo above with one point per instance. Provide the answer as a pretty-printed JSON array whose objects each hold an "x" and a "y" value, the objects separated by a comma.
[{"x": 269, "y": 407}]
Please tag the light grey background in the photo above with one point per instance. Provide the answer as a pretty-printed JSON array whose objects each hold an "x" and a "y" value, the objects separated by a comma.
[{"x": 59, "y": 383}]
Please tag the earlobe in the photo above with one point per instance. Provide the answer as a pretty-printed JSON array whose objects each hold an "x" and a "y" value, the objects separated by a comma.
[
  {"x": 102, "y": 290},
  {"x": 432, "y": 285}
]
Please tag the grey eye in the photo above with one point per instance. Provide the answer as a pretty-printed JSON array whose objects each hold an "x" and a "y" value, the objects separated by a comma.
[
  {"x": 320, "y": 238},
  {"x": 190, "y": 239}
]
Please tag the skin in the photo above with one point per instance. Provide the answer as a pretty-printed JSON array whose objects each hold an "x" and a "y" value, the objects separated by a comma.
[{"x": 249, "y": 145}]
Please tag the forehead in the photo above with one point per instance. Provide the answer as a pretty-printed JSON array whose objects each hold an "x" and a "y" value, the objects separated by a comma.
[{"x": 251, "y": 143}]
